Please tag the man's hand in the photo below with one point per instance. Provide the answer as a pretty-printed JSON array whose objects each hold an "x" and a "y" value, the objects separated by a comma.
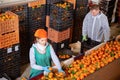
[{"x": 84, "y": 38}]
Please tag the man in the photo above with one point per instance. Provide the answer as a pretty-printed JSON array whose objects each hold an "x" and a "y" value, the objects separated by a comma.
[{"x": 95, "y": 25}]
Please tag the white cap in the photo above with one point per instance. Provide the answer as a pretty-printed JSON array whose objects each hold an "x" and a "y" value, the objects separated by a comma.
[{"x": 95, "y": 1}]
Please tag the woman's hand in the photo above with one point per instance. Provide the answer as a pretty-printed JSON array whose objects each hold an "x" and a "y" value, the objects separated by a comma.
[{"x": 46, "y": 68}]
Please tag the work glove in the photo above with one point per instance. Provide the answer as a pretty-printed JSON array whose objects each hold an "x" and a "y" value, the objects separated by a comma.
[
  {"x": 46, "y": 69},
  {"x": 84, "y": 38}
]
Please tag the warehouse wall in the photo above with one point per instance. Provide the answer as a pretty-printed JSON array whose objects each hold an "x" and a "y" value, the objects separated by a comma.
[{"x": 11, "y": 1}]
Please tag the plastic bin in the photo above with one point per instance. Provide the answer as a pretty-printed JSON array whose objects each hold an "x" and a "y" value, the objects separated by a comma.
[{"x": 57, "y": 36}]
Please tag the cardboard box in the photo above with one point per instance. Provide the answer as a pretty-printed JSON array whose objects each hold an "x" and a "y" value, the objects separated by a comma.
[{"x": 108, "y": 72}]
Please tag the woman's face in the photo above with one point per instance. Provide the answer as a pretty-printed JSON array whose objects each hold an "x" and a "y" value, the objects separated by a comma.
[
  {"x": 95, "y": 12},
  {"x": 42, "y": 41}
]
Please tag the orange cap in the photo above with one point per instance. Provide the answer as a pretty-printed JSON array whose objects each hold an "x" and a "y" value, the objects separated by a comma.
[{"x": 40, "y": 33}]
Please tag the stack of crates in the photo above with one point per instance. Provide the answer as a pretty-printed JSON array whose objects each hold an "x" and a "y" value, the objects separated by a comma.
[
  {"x": 104, "y": 6},
  {"x": 61, "y": 21},
  {"x": 9, "y": 30},
  {"x": 48, "y": 5},
  {"x": 10, "y": 61},
  {"x": 22, "y": 11},
  {"x": 110, "y": 11},
  {"x": 107, "y": 6},
  {"x": 9, "y": 44},
  {"x": 36, "y": 16},
  {"x": 80, "y": 11},
  {"x": 61, "y": 18}
]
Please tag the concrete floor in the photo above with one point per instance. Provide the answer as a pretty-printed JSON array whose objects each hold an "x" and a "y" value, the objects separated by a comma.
[{"x": 115, "y": 30}]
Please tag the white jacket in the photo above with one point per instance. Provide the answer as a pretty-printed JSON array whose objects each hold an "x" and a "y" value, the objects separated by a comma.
[{"x": 96, "y": 27}]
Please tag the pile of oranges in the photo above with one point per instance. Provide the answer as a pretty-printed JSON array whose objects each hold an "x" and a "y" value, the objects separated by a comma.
[
  {"x": 64, "y": 56},
  {"x": 4, "y": 17},
  {"x": 36, "y": 6},
  {"x": 97, "y": 59},
  {"x": 54, "y": 75},
  {"x": 63, "y": 5}
]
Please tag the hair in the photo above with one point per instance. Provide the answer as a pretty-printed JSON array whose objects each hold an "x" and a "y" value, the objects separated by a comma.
[
  {"x": 34, "y": 41},
  {"x": 94, "y": 7}
]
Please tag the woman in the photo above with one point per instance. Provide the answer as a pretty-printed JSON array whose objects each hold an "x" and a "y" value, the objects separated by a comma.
[{"x": 41, "y": 54}]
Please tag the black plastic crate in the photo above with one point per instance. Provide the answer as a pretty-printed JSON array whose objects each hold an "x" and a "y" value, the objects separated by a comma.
[
  {"x": 36, "y": 11},
  {"x": 9, "y": 60},
  {"x": 53, "y": 1},
  {"x": 81, "y": 12},
  {"x": 23, "y": 27},
  {"x": 8, "y": 50},
  {"x": 13, "y": 72},
  {"x": 61, "y": 18},
  {"x": 112, "y": 2},
  {"x": 24, "y": 42},
  {"x": 60, "y": 45},
  {"x": 36, "y": 23},
  {"x": 104, "y": 3},
  {"x": 110, "y": 11},
  {"x": 61, "y": 14},
  {"x": 83, "y": 3},
  {"x": 60, "y": 26},
  {"x": 22, "y": 15},
  {"x": 10, "y": 64},
  {"x": 48, "y": 9},
  {"x": 60, "y": 9},
  {"x": 86, "y": 45},
  {"x": 77, "y": 30},
  {"x": 37, "y": 16}
]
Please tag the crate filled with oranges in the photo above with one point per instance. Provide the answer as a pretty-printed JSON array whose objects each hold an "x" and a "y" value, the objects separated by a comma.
[
  {"x": 64, "y": 54},
  {"x": 9, "y": 29},
  {"x": 8, "y": 22},
  {"x": 96, "y": 62},
  {"x": 36, "y": 13},
  {"x": 61, "y": 15}
]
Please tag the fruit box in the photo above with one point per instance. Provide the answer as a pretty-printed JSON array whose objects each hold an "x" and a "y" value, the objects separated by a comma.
[
  {"x": 73, "y": 2},
  {"x": 108, "y": 72},
  {"x": 94, "y": 48},
  {"x": 36, "y": 3},
  {"x": 57, "y": 36},
  {"x": 8, "y": 22}
]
